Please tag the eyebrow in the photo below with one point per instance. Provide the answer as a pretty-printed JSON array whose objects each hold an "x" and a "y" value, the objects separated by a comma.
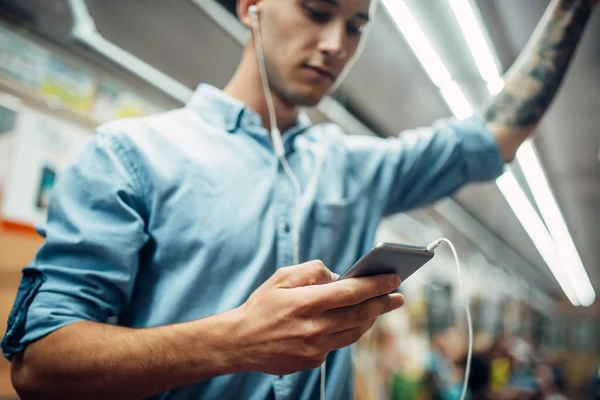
[{"x": 361, "y": 15}]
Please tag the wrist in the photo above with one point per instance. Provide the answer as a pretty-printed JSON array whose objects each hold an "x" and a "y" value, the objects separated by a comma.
[
  {"x": 225, "y": 342},
  {"x": 210, "y": 346}
]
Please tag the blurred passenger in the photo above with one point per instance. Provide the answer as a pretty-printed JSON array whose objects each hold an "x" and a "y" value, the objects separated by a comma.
[
  {"x": 179, "y": 224},
  {"x": 550, "y": 381},
  {"x": 500, "y": 364},
  {"x": 559, "y": 378},
  {"x": 523, "y": 374},
  {"x": 444, "y": 379},
  {"x": 479, "y": 378}
]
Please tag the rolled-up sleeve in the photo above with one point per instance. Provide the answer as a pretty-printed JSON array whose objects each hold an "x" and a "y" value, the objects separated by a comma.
[
  {"x": 95, "y": 229},
  {"x": 424, "y": 165}
]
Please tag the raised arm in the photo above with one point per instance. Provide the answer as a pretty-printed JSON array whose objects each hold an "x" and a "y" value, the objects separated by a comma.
[{"x": 534, "y": 79}]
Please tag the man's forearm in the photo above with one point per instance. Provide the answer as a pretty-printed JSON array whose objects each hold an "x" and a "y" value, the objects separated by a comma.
[
  {"x": 97, "y": 361},
  {"x": 534, "y": 79}
]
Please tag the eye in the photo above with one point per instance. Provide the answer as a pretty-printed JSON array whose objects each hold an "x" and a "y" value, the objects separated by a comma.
[
  {"x": 354, "y": 30},
  {"x": 319, "y": 17}
]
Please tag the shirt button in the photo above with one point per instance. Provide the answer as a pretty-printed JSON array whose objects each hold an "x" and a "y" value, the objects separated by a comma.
[{"x": 286, "y": 228}]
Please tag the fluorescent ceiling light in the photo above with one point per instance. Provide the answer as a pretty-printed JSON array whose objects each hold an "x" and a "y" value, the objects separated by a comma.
[
  {"x": 456, "y": 100},
  {"x": 474, "y": 36},
  {"x": 412, "y": 32},
  {"x": 428, "y": 57},
  {"x": 537, "y": 232},
  {"x": 540, "y": 188},
  {"x": 467, "y": 16},
  {"x": 495, "y": 86}
]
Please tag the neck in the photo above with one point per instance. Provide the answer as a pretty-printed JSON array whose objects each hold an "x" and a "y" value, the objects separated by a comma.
[{"x": 246, "y": 86}]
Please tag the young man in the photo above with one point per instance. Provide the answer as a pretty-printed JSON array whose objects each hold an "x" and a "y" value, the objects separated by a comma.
[{"x": 179, "y": 224}]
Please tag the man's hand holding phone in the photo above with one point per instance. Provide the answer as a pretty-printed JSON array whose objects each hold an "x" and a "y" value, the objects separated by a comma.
[{"x": 302, "y": 313}]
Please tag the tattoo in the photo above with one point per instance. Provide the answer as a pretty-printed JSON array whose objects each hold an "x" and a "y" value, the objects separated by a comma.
[{"x": 534, "y": 79}]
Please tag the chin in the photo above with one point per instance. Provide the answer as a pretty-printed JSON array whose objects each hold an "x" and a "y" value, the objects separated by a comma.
[{"x": 306, "y": 97}]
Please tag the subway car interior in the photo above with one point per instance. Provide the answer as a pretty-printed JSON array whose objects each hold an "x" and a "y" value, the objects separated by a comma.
[{"x": 178, "y": 178}]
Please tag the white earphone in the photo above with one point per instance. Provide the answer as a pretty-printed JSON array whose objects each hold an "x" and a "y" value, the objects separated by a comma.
[
  {"x": 277, "y": 142},
  {"x": 275, "y": 134}
]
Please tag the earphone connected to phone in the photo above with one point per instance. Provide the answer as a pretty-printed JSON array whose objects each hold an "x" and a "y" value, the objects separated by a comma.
[{"x": 278, "y": 146}]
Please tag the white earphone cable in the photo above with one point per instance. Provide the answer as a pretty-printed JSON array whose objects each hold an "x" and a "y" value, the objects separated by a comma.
[
  {"x": 280, "y": 151},
  {"x": 465, "y": 299},
  {"x": 276, "y": 139}
]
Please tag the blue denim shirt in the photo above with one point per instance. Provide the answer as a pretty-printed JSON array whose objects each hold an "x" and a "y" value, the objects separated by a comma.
[{"x": 182, "y": 215}]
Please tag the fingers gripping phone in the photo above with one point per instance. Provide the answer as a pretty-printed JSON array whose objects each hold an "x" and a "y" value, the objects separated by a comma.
[{"x": 390, "y": 258}]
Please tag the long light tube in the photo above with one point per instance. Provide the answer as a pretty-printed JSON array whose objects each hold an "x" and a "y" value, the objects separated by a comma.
[
  {"x": 428, "y": 57},
  {"x": 542, "y": 194},
  {"x": 416, "y": 38},
  {"x": 536, "y": 230},
  {"x": 478, "y": 45}
]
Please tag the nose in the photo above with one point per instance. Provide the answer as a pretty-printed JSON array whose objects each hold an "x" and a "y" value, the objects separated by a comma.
[{"x": 332, "y": 40}]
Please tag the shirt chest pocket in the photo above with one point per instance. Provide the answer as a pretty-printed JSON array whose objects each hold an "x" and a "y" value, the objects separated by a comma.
[{"x": 328, "y": 224}]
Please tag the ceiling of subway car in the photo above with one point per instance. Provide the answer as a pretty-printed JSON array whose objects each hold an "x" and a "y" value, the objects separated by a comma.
[{"x": 387, "y": 90}]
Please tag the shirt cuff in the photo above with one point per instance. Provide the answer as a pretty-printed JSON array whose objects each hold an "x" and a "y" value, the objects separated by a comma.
[{"x": 484, "y": 161}]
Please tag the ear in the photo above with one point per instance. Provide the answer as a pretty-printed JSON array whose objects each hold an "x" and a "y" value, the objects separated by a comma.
[{"x": 242, "y": 11}]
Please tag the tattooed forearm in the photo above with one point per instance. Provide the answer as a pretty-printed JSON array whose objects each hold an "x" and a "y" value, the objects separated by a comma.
[{"x": 534, "y": 79}]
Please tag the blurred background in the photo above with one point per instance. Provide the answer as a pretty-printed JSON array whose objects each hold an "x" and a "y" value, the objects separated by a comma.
[{"x": 530, "y": 242}]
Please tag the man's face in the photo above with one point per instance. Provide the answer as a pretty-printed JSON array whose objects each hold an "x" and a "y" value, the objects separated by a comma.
[{"x": 307, "y": 44}]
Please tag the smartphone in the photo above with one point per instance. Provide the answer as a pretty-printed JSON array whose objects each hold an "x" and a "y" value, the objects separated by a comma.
[{"x": 390, "y": 258}]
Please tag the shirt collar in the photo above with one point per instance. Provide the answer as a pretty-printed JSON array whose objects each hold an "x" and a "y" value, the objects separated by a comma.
[
  {"x": 216, "y": 106},
  {"x": 221, "y": 109}
]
